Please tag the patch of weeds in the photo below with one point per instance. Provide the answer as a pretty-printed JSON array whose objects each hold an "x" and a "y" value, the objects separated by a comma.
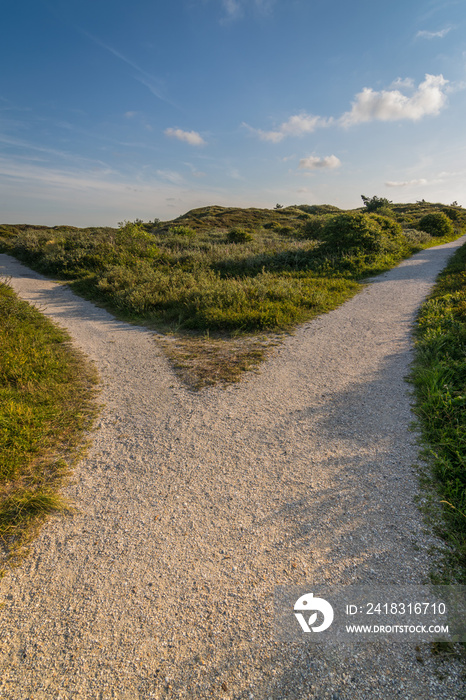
[{"x": 47, "y": 402}]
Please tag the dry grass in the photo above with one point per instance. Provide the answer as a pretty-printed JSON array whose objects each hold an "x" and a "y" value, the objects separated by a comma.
[{"x": 205, "y": 361}]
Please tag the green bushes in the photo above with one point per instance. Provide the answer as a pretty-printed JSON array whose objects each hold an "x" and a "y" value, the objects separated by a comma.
[
  {"x": 358, "y": 233},
  {"x": 436, "y": 224}
]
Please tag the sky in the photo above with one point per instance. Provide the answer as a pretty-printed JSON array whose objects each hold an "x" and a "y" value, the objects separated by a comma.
[{"x": 113, "y": 110}]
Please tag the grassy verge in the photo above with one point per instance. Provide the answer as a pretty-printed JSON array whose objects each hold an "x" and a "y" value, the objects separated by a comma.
[
  {"x": 47, "y": 400},
  {"x": 439, "y": 378}
]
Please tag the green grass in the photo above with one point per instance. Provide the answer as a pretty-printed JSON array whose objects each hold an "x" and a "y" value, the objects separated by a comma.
[
  {"x": 46, "y": 403},
  {"x": 217, "y": 271},
  {"x": 439, "y": 378}
]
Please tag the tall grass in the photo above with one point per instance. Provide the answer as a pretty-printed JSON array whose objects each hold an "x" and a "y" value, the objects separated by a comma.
[{"x": 439, "y": 378}]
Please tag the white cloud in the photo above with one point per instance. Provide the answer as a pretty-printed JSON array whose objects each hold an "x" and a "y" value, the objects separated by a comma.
[
  {"x": 191, "y": 137},
  {"x": 296, "y": 125},
  {"x": 392, "y": 105},
  {"x": 406, "y": 183},
  {"x": 433, "y": 35},
  {"x": 316, "y": 163}
]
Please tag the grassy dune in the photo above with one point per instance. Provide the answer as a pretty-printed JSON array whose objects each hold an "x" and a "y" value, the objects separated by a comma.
[{"x": 221, "y": 274}]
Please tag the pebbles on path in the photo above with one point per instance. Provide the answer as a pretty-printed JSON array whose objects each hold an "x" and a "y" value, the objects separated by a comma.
[{"x": 192, "y": 507}]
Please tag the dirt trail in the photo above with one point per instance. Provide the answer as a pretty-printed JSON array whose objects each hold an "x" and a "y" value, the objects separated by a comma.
[{"x": 192, "y": 507}]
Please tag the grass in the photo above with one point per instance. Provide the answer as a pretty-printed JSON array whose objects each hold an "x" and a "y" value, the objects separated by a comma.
[
  {"x": 232, "y": 275},
  {"x": 439, "y": 379},
  {"x": 46, "y": 403}
]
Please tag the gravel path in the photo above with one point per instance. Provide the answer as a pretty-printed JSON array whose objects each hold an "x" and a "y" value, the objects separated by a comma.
[{"x": 192, "y": 507}]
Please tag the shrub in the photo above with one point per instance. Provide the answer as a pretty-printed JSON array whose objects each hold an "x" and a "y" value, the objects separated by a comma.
[
  {"x": 355, "y": 232},
  {"x": 412, "y": 235},
  {"x": 239, "y": 235},
  {"x": 436, "y": 224},
  {"x": 182, "y": 231},
  {"x": 314, "y": 226},
  {"x": 453, "y": 214},
  {"x": 387, "y": 224}
]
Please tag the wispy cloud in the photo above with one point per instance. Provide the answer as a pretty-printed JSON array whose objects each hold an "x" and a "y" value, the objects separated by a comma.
[
  {"x": 50, "y": 153},
  {"x": 423, "y": 34},
  {"x": 316, "y": 163},
  {"x": 393, "y": 105},
  {"x": 152, "y": 83},
  {"x": 194, "y": 171},
  {"x": 171, "y": 176},
  {"x": 296, "y": 125},
  {"x": 191, "y": 137}
]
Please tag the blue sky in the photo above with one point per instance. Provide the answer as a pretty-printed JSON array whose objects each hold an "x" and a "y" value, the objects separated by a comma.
[{"x": 111, "y": 110}]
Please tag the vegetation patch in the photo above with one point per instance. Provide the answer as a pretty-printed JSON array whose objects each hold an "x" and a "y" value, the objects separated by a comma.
[
  {"x": 47, "y": 401},
  {"x": 228, "y": 272},
  {"x": 439, "y": 378}
]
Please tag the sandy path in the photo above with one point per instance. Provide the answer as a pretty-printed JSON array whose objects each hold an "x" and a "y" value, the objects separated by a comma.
[{"x": 192, "y": 507}]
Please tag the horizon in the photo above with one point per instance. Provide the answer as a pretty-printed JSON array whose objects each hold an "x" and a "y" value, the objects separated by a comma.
[{"x": 113, "y": 112}]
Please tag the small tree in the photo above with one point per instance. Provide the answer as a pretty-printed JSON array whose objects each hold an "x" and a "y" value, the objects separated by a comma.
[{"x": 375, "y": 203}]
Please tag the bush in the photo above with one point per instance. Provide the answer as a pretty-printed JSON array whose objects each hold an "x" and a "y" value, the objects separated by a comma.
[
  {"x": 436, "y": 224},
  {"x": 182, "y": 231},
  {"x": 314, "y": 226},
  {"x": 239, "y": 235},
  {"x": 412, "y": 235},
  {"x": 353, "y": 233},
  {"x": 387, "y": 224},
  {"x": 453, "y": 214}
]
